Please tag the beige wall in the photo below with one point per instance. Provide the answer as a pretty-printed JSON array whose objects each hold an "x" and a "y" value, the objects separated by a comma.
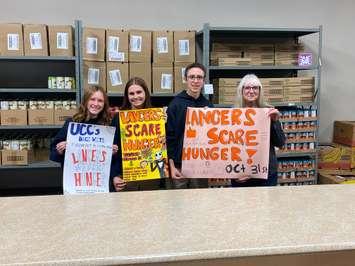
[{"x": 337, "y": 18}]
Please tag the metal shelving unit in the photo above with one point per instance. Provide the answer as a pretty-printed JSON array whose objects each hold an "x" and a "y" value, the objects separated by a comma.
[
  {"x": 25, "y": 78},
  {"x": 209, "y": 35}
]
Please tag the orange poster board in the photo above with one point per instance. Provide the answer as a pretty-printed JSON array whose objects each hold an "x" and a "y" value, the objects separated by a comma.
[{"x": 226, "y": 143}]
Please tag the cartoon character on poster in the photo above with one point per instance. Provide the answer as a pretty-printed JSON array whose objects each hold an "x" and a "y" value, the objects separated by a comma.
[
  {"x": 226, "y": 143},
  {"x": 142, "y": 134},
  {"x": 87, "y": 158}
]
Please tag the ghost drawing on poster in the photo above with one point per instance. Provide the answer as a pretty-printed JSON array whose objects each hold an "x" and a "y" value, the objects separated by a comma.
[
  {"x": 87, "y": 158},
  {"x": 226, "y": 143}
]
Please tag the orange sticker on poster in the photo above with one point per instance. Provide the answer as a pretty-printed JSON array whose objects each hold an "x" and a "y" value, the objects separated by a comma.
[{"x": 226, "y": 143}]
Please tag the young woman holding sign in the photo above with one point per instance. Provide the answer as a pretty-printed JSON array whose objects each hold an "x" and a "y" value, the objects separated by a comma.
[
  {"x": 136, "y": 96},
  {"x": 250, "y": 94},
  {"x": 94, "y": 109}
]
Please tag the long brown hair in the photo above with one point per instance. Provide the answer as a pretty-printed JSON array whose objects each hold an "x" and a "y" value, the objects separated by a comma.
[
  {"x": 126, "y": 105},
  {"x": 83, "y": 115}
]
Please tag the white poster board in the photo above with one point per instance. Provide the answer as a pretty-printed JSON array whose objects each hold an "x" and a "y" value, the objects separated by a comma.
[{"x": 87, "y": 158}]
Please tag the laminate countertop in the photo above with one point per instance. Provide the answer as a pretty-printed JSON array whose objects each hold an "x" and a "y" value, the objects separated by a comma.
[{"x": 176, "y": 225}]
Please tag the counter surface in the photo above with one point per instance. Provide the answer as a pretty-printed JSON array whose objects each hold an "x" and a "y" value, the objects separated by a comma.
[{"x": 174, "y": 225}]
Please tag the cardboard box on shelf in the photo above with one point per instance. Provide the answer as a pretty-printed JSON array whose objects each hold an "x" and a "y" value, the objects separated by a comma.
[
  {"x": 11, "y": 39},
  {"x": 41, "y": 154},
  {"x": 35, "y": 39},
  {"x": 299, "y": 81},
  {"x": 272, "y": 82},
  {"x": 184, "y": 46},
  {"x": 273, "y": 91},
  {"x": 117, "y": 76},
  {"x": 140, "y": 46},
  {"x": 299, "y": 90},
  {"x": 344, "y": 132},
  {"x": 11, "y": 157},
  {"x": 233, "y": 82},
  {"x": 13, "y": 117},
  {"x": 336, "y": 156},
  {"x": 258, "y": 48},
  {"x": 61, "y": 115},
  {"x": 117, "y": 44},
  {"x": 94, "y": 44},
  {"x": 61, "y": 41},
  {"x": 163, "y": 47},
  {"x": 163, "y": 78},
  {"x": 94, "y": 74},
  {"x": 336, "y": 177},
  {"x": 179, "y": 76},
  {"x": 142, "y": 70},
  {"x": 233, "y": 61},
  {"x": 40, "y": 117}
]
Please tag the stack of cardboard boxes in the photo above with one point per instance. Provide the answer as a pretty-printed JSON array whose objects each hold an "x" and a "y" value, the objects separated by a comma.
[
  {"x": 112, "y": 57},
  {"x": 23, "y": 151},
  {"x": 258, "y": 54},
  {"x": 20, "y": 113},
  {"x": 275, "y": 90},
  {"x": 337, "y": 159},
  {"x": 36, "y": 40},
  {"x": 286, "y": 53}
]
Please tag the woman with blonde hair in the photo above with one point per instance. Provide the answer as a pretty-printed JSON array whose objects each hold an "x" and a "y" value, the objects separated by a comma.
[{"x": 250, "y": 94}]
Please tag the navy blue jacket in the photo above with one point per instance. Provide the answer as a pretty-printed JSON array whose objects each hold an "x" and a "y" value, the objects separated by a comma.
[
  {"x": 116, "y": 163},
  {"x": 175, "y": 127}
]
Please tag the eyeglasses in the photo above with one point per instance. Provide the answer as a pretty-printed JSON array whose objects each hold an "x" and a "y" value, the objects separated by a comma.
[
  {"x": 192, "y": 77},
  {"x": 249, "y": 88}
]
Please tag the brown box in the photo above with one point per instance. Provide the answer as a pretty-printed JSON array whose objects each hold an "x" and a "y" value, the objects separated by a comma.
[
  {"x": 336, "y": 156},
  {"x": 94, "y": 74},
  {"x": 233, "y": 82},
  {"x": 142, "y": 70},
  {"x": 179, "y": 77},
  {"x": 163, "y": 47},
  {"x": 117, "y": 76},
  {"x": 344, "y": 132},
  {"x": 336, "y": 177},
  {"x": 163, "y": 78},
  {"x": 184, "y": 46},
  {"x": 299, "y": 81},
  {"x": 13, "y": 117},
  {"x": 41, "y": 154},
  {"x": 11, "y": 39},
  {"x": 117, "y": 45},
  {"x": 9, "y": 157},
  {"x": 140, "y": 46},
  {"x": 94, "y": 44},
  {"x": 233, "y": 61},
  {"x": 61, "y": 41},
  {"x": 61, "y": 115},
  {"x": 40, "y": 117},
  {"x": 35, "y": 39}
]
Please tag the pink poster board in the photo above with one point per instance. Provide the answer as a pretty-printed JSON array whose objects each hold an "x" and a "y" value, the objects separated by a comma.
[{"x": 226, "y": 143}]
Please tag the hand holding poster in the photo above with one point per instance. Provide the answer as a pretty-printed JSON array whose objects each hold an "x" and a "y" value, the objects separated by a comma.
[
  {"x": 142, "y": 134},
  {"x": 226, "y": 143},
  {"x": 87, "y": 158}
]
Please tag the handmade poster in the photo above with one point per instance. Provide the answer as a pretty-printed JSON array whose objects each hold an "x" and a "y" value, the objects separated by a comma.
[
  {"x": 143, "y": 146},
  {"x": 226, "y": 143},
  {"x": 87, "y": 158}
]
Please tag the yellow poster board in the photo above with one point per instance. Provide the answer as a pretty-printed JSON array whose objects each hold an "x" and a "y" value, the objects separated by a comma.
[{"x": 143, "y": 144}]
